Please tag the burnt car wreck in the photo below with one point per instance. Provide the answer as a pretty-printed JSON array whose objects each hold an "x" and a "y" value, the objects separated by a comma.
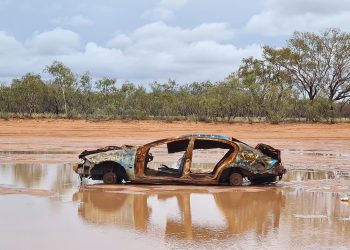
[{"x": 201, "y": 159}]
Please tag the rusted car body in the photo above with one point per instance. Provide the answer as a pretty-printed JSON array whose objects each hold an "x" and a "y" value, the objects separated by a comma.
[{"x": 202, "y": 159}]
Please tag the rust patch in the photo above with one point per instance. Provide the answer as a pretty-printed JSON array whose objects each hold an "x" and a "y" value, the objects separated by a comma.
[{"x": 133, "y": 164}]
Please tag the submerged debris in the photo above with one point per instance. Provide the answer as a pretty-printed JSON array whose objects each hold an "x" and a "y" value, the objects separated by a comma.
[{"x": 344, "y": 198}]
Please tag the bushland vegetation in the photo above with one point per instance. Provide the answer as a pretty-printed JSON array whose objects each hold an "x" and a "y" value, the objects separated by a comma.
[{"x": 307, "y": 80}]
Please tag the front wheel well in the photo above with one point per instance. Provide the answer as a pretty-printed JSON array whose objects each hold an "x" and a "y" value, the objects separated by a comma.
[{"x": 100, "y": 169}]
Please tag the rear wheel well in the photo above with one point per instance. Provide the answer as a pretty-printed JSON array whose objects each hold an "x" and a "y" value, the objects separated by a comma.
[
  {"x": 99, "y": 170},
  {"x": 225, "y": 175}
]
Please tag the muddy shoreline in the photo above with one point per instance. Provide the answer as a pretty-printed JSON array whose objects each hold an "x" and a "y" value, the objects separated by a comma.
[
  {"x": 152, "y": 128},
  {"x": 327, "y": 147}
]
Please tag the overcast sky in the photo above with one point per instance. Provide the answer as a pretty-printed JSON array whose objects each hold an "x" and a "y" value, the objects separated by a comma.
[{"x": 143, "y": 41}]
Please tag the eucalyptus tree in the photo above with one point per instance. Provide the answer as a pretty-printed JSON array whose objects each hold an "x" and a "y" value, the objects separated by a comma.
[
  {"x": 83, "y": 94},
  {"x": 29, "y": 94},
  {"x": 5, "y": 99},
  {"x": 266, "y": 87},
  {"x": 63, "y": 78},
  {"x": 319, "y": 63},
  {"x": 106, "y": 97}
]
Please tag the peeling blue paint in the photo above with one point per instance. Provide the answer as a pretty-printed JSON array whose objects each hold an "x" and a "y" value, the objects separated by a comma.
[
  {"x": 247, "y": 158},
  {"x": 224, "y": 137},
  {"x": 251, "y": 159},
  {"x": 125, "y": 157}
]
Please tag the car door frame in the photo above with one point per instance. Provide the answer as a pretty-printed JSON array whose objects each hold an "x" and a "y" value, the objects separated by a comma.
[
  {"x": 214, "y": 177},
  {"x": 141, "y": 154}
]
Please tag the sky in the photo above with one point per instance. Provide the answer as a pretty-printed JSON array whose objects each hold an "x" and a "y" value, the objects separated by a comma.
[{"x": 155, "y": 40}]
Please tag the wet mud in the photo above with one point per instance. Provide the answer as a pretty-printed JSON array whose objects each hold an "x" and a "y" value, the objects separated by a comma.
[{"x": 43, "y": 201}]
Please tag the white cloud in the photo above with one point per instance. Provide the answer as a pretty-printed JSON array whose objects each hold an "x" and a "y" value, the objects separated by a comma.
[
  {"x": 154, "y": 51},
  {"x": 119, "y": 41},
  {"x": 164, "y": 10},
  {"x": 283, "y": 17},
  {"x": 55, "y": 42},
  {"x": 9, "y": 45},
  {"x": 15, "y": 58},
  {"x": 159, "y": 32},
  {"x": 74, "y": 21}
]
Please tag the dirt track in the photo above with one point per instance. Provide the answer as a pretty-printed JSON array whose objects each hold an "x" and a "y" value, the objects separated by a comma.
[{"x": 319, "y": 146}]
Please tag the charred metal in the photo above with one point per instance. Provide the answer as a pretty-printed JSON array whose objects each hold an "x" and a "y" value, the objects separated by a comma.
[{"x": 202, "y": 159}]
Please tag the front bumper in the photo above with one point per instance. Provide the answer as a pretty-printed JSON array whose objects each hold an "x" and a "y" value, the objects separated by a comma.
[{"x": 81, "y": 170}]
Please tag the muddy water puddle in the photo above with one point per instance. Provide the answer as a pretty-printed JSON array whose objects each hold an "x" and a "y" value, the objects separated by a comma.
[
  {"x": 47, "y": 207},
  {"x": 319, "y": 156},
  {"x": 37, "y": 156}
]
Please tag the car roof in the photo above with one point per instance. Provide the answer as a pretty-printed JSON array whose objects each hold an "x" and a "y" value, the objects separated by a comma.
[
  {"x": 212, "y": 136},
  {"x": 208, "y": 136}
]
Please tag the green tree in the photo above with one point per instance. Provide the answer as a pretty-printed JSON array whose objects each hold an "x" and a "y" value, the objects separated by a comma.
[
  {"x": 319, "y": 63},
  {"x": 30, "y": 93},
  {"x": 63, "y": 78},
  {"x": 163, "y": 98},
  {"x": 106, "y": 85},
  {"x": 83, "y": 94},
  {"x": 5, "y": 99},
  {"x": 267, "y": 88}
]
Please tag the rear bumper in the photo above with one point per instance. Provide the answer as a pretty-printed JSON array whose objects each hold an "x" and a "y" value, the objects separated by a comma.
[
  {"x": 75, "y": 167},
  {"x": 280, "y": 170}
]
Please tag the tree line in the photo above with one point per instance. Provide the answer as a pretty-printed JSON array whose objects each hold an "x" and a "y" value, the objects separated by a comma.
[{"x": 307, "y": 80}]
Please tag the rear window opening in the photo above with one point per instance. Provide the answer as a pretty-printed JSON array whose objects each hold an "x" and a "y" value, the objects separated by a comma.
[{"x": 208, "y": 155}]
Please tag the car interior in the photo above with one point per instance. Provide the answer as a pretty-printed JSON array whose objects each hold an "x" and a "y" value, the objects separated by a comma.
[{"x": 168, "y": 159}]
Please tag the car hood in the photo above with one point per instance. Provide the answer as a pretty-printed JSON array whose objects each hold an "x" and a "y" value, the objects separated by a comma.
[
  {"x": 124, "y": 155},
  {"x": 99, "y": 150}
]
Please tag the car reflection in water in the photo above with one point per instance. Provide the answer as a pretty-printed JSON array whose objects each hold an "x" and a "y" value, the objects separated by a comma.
[{"x": 234, "y": 212}]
